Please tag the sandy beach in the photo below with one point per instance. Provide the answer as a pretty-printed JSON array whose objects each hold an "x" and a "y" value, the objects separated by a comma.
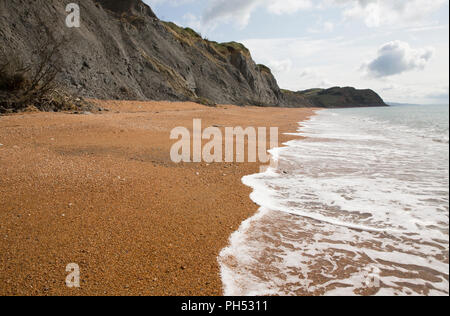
[{"x": 101, "y": 191}]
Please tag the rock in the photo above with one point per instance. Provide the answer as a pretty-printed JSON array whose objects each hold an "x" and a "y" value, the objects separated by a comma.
[
  {"x": 338, "y": 97},
  {"x": 125, "y": 51},
  {"x": 171, "y": 63}
]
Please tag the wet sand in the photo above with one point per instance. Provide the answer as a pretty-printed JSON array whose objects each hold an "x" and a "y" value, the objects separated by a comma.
[{"x": 102, "y": 192}]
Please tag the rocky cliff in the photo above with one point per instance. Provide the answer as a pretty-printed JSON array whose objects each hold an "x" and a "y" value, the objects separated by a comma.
[
  {"x": 338, "y": 97},
  {"x": 123, "y": 51}
]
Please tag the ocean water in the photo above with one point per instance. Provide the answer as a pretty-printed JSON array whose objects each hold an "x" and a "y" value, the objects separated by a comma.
[{"x": 358, "y": 207}]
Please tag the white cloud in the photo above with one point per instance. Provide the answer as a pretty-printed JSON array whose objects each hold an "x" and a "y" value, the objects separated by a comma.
[
  {"x": 440, "y": 94},
  {"x": 311, "y": 62},
  {"x": 288, "y": 6},
  {"x": 322, "y": 27},
  {"x": 330, "y": 43},
  {"x": 389, "y": 12},
  {"x": 239, "y": 12},
  {"x": 374, "y": 13},
  {"x": 192, "y": 21},
  {"x": 324, "y": 63},
  {"x": 280, "y": 66},
  {"x": 171, "y": 2},
  {"x": 397, "y": 57},
  {"x": 236, "y": 11},
  {"x": 315, "y": 77}
]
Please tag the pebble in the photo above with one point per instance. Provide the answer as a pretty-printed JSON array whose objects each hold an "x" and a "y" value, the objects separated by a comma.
[{"x": 170, "y": 239}]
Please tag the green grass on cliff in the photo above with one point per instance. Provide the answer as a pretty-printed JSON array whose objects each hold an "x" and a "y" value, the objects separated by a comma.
[
  {"x": 185, "y": 34},
  {"x": 310, "y": 92},
  {"x": 237, "y": 47},
  {"x": 190, "y": 36},
  {"x": 263, "y": 68}
]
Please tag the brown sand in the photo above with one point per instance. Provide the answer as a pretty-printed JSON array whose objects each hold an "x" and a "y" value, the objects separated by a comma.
[{"x": 101, "y": 191}]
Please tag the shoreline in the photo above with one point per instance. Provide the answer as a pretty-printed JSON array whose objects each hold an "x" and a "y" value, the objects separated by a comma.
[
  {"x": 328, "y": 249},
  {"x": 226, "y": 257},
  {"x": 101, "y": 191}
]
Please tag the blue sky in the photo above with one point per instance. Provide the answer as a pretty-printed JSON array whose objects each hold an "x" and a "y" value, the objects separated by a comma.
[{"x": 399, "y": 48}]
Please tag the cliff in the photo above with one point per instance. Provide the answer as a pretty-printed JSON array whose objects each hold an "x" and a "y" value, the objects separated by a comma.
[
  {"x": 338, "y": 97},
  {"x": 123, "y": 51}
]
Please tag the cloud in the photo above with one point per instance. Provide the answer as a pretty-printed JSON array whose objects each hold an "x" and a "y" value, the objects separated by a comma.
[
  {"x": 315, "y": 78},
  {"x": 288, "y": 6},
  {"x": 192, "y": 21},
  {"x": 239, "y": 12},
  {"x": 322, "y": 27},
  {"x": 441, "y": 94},
  {"x": 280, "y": 66},
  {"x": 397, "y": 57},
  {"x": 174, "y": 3},
  {"x": 374, "y": 13},
  {"x": 377, "y": 13}
]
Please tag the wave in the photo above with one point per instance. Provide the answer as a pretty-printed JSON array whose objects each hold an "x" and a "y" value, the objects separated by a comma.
[{"x": 355, "y": 204}]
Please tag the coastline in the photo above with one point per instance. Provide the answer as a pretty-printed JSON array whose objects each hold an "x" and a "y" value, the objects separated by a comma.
[
  {"x": 340, "y": 246},
  {"x": 228, "y": 258},
  {"x": 101, "y": 191}
]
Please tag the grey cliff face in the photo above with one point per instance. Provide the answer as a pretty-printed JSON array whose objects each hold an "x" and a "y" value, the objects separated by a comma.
[{"x": 123, "y": 51}]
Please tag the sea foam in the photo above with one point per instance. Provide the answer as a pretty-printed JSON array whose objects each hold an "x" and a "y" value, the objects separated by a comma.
[{"x": 359, "y": 207}]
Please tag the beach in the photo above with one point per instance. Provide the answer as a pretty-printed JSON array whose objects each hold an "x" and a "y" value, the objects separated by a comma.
[
  {"x": 358, "y": 206},
  {"x": 101, "y": 191}
]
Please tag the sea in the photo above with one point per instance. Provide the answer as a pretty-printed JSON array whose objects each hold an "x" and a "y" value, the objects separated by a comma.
[{"x": 357, "y": 205}]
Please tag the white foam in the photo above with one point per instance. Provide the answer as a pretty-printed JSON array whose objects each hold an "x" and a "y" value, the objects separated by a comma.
[{"x": 378, "y": 192}]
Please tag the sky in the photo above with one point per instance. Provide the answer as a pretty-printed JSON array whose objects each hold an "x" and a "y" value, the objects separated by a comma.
[{"x": 399, "y": 48}]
